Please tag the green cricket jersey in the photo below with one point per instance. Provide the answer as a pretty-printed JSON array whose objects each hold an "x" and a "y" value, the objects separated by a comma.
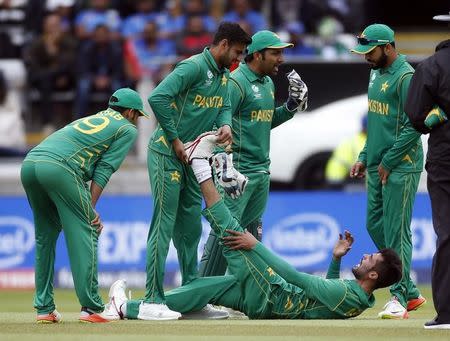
[
  {"x": 252, "y": 100},
  {"x": 391, "y": 139},
  {"x": 94, "y": 146},
  {"x": 312, "y": 297},
  {"x": 191, "y": 100}
]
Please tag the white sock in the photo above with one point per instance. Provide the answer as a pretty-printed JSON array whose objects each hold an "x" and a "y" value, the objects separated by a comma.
[{"x": 202, "y": 169}]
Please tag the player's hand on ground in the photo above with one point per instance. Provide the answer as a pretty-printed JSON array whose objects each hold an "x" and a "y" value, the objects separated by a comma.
[
  {"x": 97, "y": 223},
  {"x": 358, "y": 170},
  {"x": 178, "y": 147},
  {"x": 224, "y": 135},
  {"x": 343, "y": 245},
  {"x": 384, "y": 174},
  {"x": 239, "y": 240}
]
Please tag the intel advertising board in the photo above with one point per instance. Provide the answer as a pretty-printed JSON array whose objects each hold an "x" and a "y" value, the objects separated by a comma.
[{"x": 300, "y": 227}]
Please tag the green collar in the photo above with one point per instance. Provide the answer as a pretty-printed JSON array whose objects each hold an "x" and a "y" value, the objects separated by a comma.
[
  {"x": 250, "y": 74},
  {"x": 210, "y": 61},
  {"x": 398, "y": 62}
]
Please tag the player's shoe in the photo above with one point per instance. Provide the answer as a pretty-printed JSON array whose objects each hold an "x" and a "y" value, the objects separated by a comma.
[
  {"x": 416, "y": 303},
  {"x": 89, "y": 316},
  {"x": 53, "y": 317},
  {"x": 156, "y": 312},
  {"x": 436, "y": 324},
  {"x": 208, "y": 312},
  {"x": 202, "y": 147},
  {"x": 393, "y": 310},
  {"x": 117, "y": 298},
  {"x": 232, "y": 181}
]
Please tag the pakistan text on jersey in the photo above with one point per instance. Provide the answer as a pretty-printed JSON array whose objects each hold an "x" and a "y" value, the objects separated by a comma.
[
  {"x": 208, "y": 102},
  {"x": 378, "y": 107},
  {"x": 264, "y": 115}
]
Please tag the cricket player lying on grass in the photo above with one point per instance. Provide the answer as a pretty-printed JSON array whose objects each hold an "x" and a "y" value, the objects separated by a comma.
[{"x": 262, "y": 285}]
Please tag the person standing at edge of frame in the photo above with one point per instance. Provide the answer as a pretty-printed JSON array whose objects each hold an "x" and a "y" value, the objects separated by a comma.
[
  {"x": 428, "y": 108},
  {"x": 393, "y": 158},
  {"x": 54, "y": 175}
]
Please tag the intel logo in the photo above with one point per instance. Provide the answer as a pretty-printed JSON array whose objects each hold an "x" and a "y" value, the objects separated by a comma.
[
  {"x": 16, "y": 240},
  {"x": 303, "y": 239}
]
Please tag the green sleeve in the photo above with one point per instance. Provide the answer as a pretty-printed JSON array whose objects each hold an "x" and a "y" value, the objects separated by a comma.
[
  {"x": 363, "y": 155},
  {"x": 111, "y": 160},
  {"x": 225, "y": 113},
  {"x": 330, "y": 292},
  {"x": 236, "y": 96},
  {"x": 281, "y": 115},
  {"x": 334, "y": 269},
  {"x": 163, "y": 96},
  {"x": 408, "y": 135}
]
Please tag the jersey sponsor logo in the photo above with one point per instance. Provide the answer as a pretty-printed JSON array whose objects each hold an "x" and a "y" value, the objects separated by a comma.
[
  {"x": 304, "y": 239},
  {"x": 210, "y": 76},
  {"x": 256, "y": 92},
  {"x": 264, "y": 115},
  {"x": 16, "y": 240},
  {"x": 208, "y": 102},
  {"x": 378, "y": 107},
  {"x": 372, "y": 78}
]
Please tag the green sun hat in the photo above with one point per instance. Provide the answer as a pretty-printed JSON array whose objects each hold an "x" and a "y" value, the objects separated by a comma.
[
  {"x": 128, "y": 98},
  {"x": 373, "y": 36},
  {"x": 266, "y": 40}
]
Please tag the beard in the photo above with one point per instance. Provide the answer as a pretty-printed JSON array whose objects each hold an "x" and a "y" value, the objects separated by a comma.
[{"x": 380, "y": 63}]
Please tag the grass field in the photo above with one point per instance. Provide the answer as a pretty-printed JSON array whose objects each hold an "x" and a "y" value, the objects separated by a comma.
[{"x": 17, "y": 322}]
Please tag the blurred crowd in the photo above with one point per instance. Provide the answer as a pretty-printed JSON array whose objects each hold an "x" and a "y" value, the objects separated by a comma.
[{"x": 75, "y": 52}]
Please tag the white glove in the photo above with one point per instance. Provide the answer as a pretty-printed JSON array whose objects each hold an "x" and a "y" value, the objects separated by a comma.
[
  {"x": 298, "y": 92},
  {"x": 232, "y": 181}
]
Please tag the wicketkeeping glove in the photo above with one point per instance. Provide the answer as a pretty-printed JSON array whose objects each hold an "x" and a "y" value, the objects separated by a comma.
[
  {"x": 298, "y": 92},
  {"x": 232, "y": 181}
]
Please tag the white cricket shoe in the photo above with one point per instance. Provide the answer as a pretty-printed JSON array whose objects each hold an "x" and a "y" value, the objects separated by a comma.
[
  {"x": 208, "y": 312},
  {"x": 117, "y": 298},
  {"x": 202, "y": 147},
  {"x": 393, "y": 310},
  {"x": 156, "y": 312},
  {"x": 232, "y": 181}
]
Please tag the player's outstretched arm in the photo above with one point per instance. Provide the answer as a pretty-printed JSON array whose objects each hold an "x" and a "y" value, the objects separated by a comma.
[{"x": 343, "y": 245}]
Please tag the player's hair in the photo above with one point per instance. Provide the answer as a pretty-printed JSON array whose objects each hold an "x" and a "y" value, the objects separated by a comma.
[
  {"x": 249, "y": 57},
  {"x": 118, "y": 108},
  {"x": 389, "y": 270},
  {"x": 233, "y": 33}
]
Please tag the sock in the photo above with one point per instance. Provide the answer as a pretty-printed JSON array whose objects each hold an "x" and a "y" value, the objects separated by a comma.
[
  {"x": 123, "y": 309},
  {"x": 201, "y": 169}
]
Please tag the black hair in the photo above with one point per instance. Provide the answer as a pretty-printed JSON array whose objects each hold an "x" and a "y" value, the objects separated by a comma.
[
  {"x": 389, "y": 270},
  {"x": 249, "y": 57},
  {"x": 118, "y": 108},
  {"x": 231, "y": 32}
]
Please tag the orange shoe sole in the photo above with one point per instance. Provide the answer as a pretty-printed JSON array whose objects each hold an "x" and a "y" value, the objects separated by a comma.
[
  {"x": 93, "y": 318},
  {"x": 416, "y": 303}
]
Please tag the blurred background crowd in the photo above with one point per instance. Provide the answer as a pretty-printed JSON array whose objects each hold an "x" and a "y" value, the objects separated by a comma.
[{"x": 61, "y": 59}]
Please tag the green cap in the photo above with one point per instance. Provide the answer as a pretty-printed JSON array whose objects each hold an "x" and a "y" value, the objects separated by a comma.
[
  {"x": 266, "y": 40},
  {"x": 373, "y": 36},
  {"x": 128, "y": 98}
]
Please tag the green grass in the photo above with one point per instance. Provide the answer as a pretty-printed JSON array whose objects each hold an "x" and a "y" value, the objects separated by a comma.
[{"x": 17, "y": 322}]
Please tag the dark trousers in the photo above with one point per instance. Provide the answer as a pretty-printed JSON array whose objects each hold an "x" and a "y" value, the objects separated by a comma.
[{"x": 439, "y": 190}]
